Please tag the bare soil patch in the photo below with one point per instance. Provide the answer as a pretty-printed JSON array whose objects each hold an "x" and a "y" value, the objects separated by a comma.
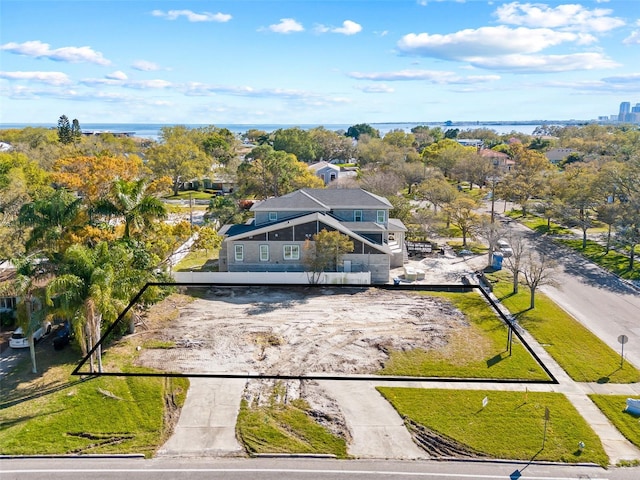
[{"x": 299, "y": 331}]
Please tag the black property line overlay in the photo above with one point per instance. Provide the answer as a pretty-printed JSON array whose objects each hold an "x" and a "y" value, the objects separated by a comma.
[{"x": 377, "y": 378}]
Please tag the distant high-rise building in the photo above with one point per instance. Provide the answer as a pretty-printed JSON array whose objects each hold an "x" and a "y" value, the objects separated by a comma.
[
  {"x": 625, "y": 110},
  {"x": 636, "y": 109}
]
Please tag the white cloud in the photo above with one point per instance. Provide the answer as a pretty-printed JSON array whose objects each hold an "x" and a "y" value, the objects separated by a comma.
[
  {"x": 125, "y": 83},
  {"x": 567, "y": 17},
  {"x": 203, "y": 89},
  {"x": 286, "y": 25},
  {"x": 634, "y": 38},
  {"x": 348, "y": 28},
  {"x": 117, "y": 75},
  {"x": 145, "y": 66},
  {"x": 192, "y": 16},
  {"x": 543, "y": 63},
  {"x": 614, "y": 85},
  {"x": 376, "y": 88},
  {"x": 631, "y": 78},
  {"x": 49, "y": 78},
  {"x": 38, "y": 49},
  {"x": 486, "y": 41},
  {"x": 432, "y": 76}
]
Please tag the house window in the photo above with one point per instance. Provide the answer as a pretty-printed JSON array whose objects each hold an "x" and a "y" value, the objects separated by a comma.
[
  {"x": 357, "y": 215},
  {"x": 8, "y": 303},
  {"x": 273, "y": 216},
  {"x": 292, "y": 252},
  {"x": 239, "y": 251},
  {"x": 381, "y": 216},
  {"x": 264, "y": 253}
]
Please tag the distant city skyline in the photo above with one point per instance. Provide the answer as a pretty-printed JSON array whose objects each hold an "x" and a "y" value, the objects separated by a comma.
[{"x": 317, "y": 62}]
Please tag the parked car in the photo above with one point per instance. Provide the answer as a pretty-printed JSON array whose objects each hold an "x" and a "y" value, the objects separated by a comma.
[
  {"x": 20, "y": 340},
  {"x": 504, "y": 248},
  {"x": 63, "y": 336}
]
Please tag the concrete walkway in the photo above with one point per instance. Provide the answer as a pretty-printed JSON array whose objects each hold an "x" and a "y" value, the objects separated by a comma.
[
  {"x": 207, "y": 425},
  {"x": 376, "y": 428}
]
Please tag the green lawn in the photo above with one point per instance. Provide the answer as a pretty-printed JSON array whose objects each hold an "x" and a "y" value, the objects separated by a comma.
[
  {"x": 612, "y": 261},
  {"x": 539, "y": 224},
  {"x": 100, "y": 415},
  {"x": 199, "y": 260},
  {"x": 193, "y": 194},
  {"x": 613, "y": 407},
  {"x": 478, "y": 351},
  {"x": 578, "y": 351},
  {"x": 280, "y": 428},
  {"x": 511, "y": 426}
]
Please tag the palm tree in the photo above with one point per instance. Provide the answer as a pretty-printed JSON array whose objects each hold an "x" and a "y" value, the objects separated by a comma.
[
  {"x": 49, "y": 219},
  {"x": 86, "y": 291},
  {"x": 27, "y": 287},
  {"x": 131, "y": 201}
]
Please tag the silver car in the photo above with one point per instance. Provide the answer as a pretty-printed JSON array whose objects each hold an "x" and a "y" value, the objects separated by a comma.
[{"x": 504, "y": 248}]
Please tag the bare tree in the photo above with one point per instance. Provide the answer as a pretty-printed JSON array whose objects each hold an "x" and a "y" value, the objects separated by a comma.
[
  {"x": 538, "y": 270},
  {"x": 513, "y": 263},
  {"x": 491, "y": 232}
]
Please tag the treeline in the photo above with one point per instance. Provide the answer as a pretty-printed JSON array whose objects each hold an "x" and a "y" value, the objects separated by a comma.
[{"x": 69, "y": 203}]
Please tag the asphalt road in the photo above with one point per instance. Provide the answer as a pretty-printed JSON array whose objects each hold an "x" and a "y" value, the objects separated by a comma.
[
  {"x": 606, "y": 305},
  {"x": 294, "y": 469}
]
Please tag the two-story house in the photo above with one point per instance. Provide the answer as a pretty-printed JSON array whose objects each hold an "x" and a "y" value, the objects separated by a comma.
[{"x": 274, "y": 240}]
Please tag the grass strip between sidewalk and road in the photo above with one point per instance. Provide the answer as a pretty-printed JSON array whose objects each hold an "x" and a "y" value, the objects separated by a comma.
[
  {"x": 577, "y": 350},
  {"x": 613, "y": 261},
  {"x": 510, "y": 426},
  {"x": 477, "y": 351},
  {"x": 613, "y": 407}
]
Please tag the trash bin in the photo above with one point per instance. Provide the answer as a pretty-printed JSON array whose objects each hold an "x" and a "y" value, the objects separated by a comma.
[{"x": 497, "y": 261}]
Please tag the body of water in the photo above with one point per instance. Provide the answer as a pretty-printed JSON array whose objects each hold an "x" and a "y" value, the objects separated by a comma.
[{"x": 152, "y": 130}]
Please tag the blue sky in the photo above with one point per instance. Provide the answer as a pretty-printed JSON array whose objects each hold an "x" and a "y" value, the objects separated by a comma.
[{"x": 316, "y": 62}]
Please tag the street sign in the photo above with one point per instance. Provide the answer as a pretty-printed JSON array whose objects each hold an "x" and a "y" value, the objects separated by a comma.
[{"x": 622, "y": 339}]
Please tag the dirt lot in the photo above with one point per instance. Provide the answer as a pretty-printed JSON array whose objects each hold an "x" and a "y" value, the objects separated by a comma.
[{"x": 299, "y": 331}]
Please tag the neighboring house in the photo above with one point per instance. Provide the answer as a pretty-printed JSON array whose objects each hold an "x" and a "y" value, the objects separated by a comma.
[
  {"x": 556, "y": 155},
  {"x": 220, "y": 183},
  {"x": 470, "y": 142},
  {"x": 328, "y": 172},
  {"x": 274, "y": 240},
  {"x": 7, "y": 301},
  {"x": 500, "y": 160}
]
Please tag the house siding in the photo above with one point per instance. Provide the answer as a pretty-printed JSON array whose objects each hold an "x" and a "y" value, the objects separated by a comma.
[
  {"x": 377, "y": 264},
  {"x": 347, "y": 215},
  {"x": 262, "y": 218}
]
